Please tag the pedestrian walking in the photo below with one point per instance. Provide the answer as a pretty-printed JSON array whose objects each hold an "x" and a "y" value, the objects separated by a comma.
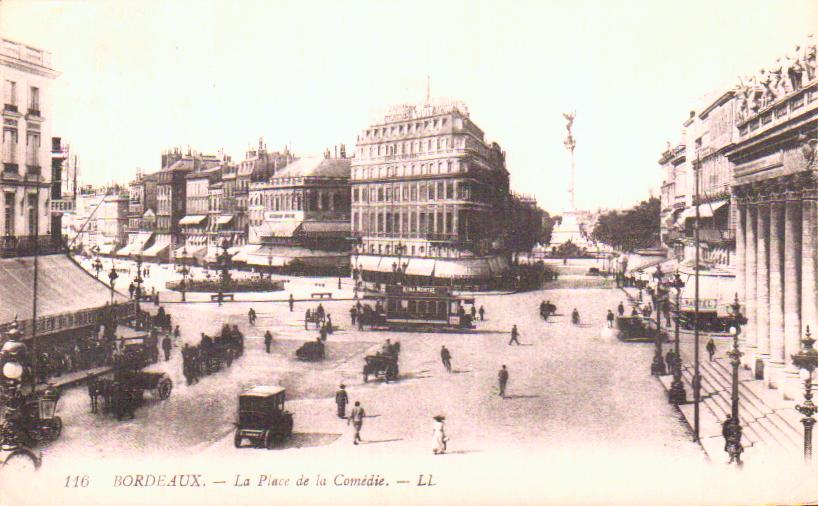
[
  {"x": 292, "y": 302},
  {"x": 323, "y": 332},
  {"x": 353, "y": 314},
  {"x": 711, "y": 348},
  {"x": 482, "y": 313},
  {"x": 307, "y": 315},
  {"x": 251, "y": 316},
  {"x": 610, "y": 318},
  {"x": 620, "y": 309},
  {"x": 339, "y": 283},
  {"x": 439, "y": 438},
  {"x": 131, "y": 289},
  {"x": 514, "y": 335},
  {"x": 446, "y": 358},
  {"x": 166, "y": 345},
  {"x": 341, "y": 401},
  {"x": 268, "y": 340},
  {"x": 473, "y": 313},
  {"x": 502, "y": 378},
  {"x": 356, "y": 418},
  {"x": 330, "y": 330},
  {"x": 176, "y": 333}
]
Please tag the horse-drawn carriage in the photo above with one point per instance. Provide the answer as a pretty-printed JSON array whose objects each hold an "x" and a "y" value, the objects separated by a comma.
[
  {"x": 219, "y": 354},
  {"x": 384, "y": 364}
]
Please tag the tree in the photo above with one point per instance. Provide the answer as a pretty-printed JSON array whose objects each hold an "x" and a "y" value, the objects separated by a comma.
[
  {"x": 524, "y": 225},
  {"x": 632, "y": 229}
]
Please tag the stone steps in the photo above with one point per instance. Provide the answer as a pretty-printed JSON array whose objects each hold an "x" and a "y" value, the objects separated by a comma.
[{"x": 763, "y": 428}]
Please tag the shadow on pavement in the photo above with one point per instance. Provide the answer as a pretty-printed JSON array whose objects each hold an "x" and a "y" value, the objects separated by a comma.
[
  {"x": 373, "y": 441},
  {"x": 521, "y": 396},
  {"x": 310, "y": 439}
]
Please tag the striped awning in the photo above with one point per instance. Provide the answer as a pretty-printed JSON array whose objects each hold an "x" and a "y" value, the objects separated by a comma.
[{"x": 194, "y": 219}]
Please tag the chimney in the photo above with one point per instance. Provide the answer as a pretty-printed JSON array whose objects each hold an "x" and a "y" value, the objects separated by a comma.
[
  {"x": 336, "y": 150},
  {"x": 343, "y": 151}
]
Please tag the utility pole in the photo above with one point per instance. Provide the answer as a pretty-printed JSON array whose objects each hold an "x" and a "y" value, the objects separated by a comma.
[{"x": 696, "y": 377}]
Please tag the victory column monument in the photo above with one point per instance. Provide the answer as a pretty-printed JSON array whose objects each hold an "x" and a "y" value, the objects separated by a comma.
[{"x": 568, "y": 230}]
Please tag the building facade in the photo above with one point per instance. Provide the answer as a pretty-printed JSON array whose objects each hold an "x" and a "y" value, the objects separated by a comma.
[
  {"x": 299, "y": 218},
  {"x": 25, "y": 181},
  {"x": 775, "y": 187},
  {"x": 428, "y": 196}
]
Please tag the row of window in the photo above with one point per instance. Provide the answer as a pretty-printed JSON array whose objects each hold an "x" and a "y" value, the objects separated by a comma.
[
  {"x": 413, "y": 192},
  {"x": 419, "y": 169},
  {"x": 406, "y": 222},
  {"x": 9, "y": 214},
  {"x": 407, "y": 128},
  {"x": 429, "y": 145},
  {"x": 10, "y": 141},
  {"x": 10, "y": 95}
]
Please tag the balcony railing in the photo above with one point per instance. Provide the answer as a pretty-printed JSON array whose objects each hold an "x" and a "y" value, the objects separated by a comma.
[
  {"x": 11, "y": 168},
  {"x": 34, "y": 170},
  {"x": 9, "y": 108},
  {"x": 26, "y": 245},
  {"x": 35, "y": 112}
]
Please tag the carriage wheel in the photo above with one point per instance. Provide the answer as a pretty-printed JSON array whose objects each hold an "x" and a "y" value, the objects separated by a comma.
[
  {"x": 268, "y": 439},
  {"x": 21, "y": 463},
  {"x": 237, "y": 439},
  {"x": 366, "y": 377},
  {"x": 165, "y": 388}
]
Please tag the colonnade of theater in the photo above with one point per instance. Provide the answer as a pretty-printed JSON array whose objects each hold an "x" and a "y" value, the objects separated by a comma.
[{"x": 775, "y": 274}]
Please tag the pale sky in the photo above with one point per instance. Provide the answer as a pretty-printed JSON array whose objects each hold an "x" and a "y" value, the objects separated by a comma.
[{"x": 141, "y": 76}]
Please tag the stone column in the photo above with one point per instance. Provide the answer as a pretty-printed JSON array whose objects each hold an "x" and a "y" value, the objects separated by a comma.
[
  {"x": 792, "y": 291},
  {"x": 749, "y": 332},
  {"x": 762, "y": 288},
  {"x": 776, "y": 361}
]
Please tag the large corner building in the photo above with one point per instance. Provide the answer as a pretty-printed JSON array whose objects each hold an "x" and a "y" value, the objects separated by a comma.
[{"x": 428, "y": 197}]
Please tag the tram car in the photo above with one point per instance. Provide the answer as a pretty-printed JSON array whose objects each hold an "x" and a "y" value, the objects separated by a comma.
[
  {"x": 716, "y": 295},
  {"x": 419, "y": 309}
]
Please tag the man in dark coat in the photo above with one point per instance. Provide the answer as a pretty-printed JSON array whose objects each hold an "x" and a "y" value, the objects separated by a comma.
[
  {"x": 610, "y": 318},
  {"x": 93, "y": 392},
  {"x": 514, "y": 335},
  {"x": 502, "y": 378},
  {"x": 621, "y": 309},
  {"x": 341, "y": 401},
  {"x": 166, "y": 345},
  {"x": 268, "y": 340},
  {"x": 446, "y": 358},
  {"x": 292, "y": 302}
]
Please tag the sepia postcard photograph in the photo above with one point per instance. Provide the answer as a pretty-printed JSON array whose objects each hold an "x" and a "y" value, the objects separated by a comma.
[{"x": 408, "y": 252}]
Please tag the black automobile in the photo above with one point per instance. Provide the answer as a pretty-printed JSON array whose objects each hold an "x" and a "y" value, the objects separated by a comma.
[{"x": 263, "y": 421}]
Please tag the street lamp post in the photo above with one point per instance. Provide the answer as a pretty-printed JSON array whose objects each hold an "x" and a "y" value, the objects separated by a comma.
[
  {"x": 807, "y": 360},
  {"x": 732, "y": 427},
  {"x": 184, "y": 271},
  {"x": 12, "y": 372},
  {"x": 224, "y": 265},
  {"x": 138, "y": 278},
  {"x": 657, "y": 366},
  {"x": 677, "y": 394}
]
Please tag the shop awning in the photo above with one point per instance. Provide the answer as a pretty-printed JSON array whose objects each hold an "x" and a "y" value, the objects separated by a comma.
[
  {"x": 224, "y": 220},
  {"x": 325, "y": 228},
  {"x": 190, "y": 251},
  {"x": 707, "y": 210},
  {"x": 194, "y": 219},
  {"x": 278, "y": 256},
  {"x": 418, "y": 266},
  {"x": 463, "y": 268},
  {"x": 278, "y": 228},
  {"x": 244, "y": 251},
  {"x": 369, "y": 263},
  {"x": 63, "y": 288},
  {"x": 123, "y": 252},
  {"x": 157, "y": 250}
]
